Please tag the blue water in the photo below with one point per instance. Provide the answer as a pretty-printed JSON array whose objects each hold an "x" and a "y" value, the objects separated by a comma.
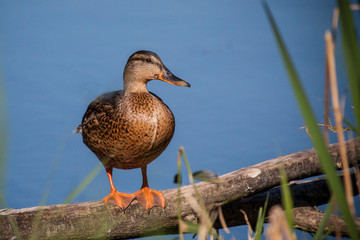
[{"x": 57, "y": 56}]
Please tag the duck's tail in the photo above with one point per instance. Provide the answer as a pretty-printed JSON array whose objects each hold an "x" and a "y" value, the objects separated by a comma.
[{"x": 78, "y": 129}]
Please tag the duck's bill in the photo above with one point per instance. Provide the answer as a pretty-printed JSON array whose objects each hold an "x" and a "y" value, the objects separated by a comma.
[{"x": 168, "y": 77}]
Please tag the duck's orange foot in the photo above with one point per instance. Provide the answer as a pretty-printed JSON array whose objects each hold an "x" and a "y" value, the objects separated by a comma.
[
  {"x": 150, "y": 198},
  {"x": 123, "y": 200}
]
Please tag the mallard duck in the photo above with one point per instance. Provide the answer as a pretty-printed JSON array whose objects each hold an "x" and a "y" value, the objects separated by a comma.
[{"x": 130, "y": 128}]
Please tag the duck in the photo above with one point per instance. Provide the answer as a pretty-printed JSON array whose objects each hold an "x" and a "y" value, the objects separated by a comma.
[{"x": 129, "y": 128}]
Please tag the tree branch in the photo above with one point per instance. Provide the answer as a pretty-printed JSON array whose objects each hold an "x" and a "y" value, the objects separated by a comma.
[{"x": 94, "y": 220}]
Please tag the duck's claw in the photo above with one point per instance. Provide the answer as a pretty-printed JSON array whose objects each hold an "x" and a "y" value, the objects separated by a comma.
[
  {"x": 123, "y": 200},
  {"x": 150, "y": 198}
]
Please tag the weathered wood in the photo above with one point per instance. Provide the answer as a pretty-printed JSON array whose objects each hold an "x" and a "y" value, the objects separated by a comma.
[
  {"x": 306, "y": 195},
  {"x": 308, "y": 219},
  {"x": 94, "y": 220}
]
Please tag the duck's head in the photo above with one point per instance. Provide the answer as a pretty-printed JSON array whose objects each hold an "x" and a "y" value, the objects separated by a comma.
[{"x": 144, "y": 66}]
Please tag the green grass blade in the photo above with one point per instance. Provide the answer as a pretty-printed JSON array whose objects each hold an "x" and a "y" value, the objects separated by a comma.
[
  {"x": 351, "y": 126},
  {"x": 286, "y": 198},
  {"x": 88, "y": 179},
  {"x": 310, "y": 120},
  {"x": 351, "y": 53},
  {"x": 46, "y": 192},
  {"x": 191, "y": 227},
  {"x": 179, "y": 178},
  {"x": 197, "y": 194},
  {"x": 3, "y": 153},
  {"x": 52, "y": 172},
  {"x": 259, "y": 225},
  {"x": 320, "y": 232},
  {"x": 260, "y": 220}
]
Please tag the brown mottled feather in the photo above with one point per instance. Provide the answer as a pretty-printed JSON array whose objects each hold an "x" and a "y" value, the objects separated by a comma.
[{"x": 127, "y": 130}]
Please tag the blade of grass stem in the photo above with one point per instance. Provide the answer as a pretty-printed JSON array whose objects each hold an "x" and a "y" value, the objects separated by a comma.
[
  {"x": 191, "y": 180},
  {"x": 93, "y": 173},
  {"x": 259, "y": 226},
  {"x": 88, "y": 179},
  {"x": 222, "y": 220},
  {"x": 330, "y": 59},
  {"x": 351, "y": 126},
  {"x": 47, "y": 190},
  {"x": 278, "y": 227},
  {"x": 260, "y": 220},
  {"x": 250, "y": 231},
  {"x": 334, "y": 23},
  {"x": 286, "y": 198},
  {"x": 14, "y": 227},
  {"x": 310, "y": 120},
  {"x": 197, "y": 194},
  {"x": 351, "y": 53},
  {"x": 326, "y": 103},
  {"x": 320, "y": 232},
  {"x": 78, "y": 189},
  {"x": 3, "y": 152},
  {"x": 181, "y": 236},
  {"x": 190, "y": 227}
]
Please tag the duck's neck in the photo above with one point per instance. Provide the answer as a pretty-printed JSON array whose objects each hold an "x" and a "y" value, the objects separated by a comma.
[{"x": 134, "y": 83}]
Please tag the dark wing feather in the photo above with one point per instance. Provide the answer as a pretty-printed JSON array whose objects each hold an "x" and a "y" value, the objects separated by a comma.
[{"x": 98, "y": 107}]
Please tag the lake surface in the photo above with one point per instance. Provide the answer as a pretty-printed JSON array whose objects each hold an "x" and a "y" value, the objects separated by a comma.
[{"x": 57, "y": 56}]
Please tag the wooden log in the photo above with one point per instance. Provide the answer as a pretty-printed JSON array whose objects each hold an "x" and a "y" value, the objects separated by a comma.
[
  {"x": 94, "y": 220},
  {"x": 308, "y": 219},
  {"x": 306, "y": 194}
]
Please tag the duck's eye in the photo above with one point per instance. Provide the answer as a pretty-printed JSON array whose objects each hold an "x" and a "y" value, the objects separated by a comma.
[{"x": 148, "y": 60}]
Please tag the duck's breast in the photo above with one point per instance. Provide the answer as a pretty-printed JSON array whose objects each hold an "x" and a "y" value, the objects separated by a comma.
[{"x": 129, "y": 131}]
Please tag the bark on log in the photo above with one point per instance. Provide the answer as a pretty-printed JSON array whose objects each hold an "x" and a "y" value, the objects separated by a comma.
[
  {"x": 308, "y": 219},
  {"x": 306, "y": 195},
  {"x": 94, "y": 220}
]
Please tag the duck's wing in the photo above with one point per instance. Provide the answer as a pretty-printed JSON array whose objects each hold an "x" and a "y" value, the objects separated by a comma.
[{"x": 102, "y": 104}]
